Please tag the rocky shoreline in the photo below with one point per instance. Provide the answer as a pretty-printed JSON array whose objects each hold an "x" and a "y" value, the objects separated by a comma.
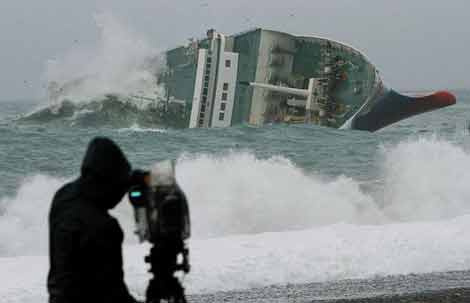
[
  {"x": 455, "y": 295},
  {"x": 448, "y": 287}
]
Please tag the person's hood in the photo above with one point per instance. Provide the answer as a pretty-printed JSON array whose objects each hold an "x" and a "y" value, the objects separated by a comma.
[{"x": 105, "y": 173}]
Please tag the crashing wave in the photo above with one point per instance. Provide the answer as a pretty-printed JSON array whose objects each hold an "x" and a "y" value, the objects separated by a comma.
[
  {"x": 113, "y": 83},
  {"x": 110, "y": 111}
]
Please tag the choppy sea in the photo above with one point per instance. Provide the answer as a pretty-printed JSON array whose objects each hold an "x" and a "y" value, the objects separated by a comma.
[{"x": 272, "y": 205}]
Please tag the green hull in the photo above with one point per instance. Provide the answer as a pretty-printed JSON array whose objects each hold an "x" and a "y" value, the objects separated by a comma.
[{"x": 284, "y": 60}]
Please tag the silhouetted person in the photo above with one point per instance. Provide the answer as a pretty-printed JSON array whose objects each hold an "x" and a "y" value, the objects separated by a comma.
[{"x": 85, "y": 241}]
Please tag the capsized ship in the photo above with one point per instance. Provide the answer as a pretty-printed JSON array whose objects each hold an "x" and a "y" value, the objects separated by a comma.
[
  {"x": 263, "y": 76},
  {"x": 260, "y": 76}
]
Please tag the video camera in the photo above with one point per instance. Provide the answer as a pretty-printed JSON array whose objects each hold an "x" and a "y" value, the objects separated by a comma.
[{"x": 161, "y": 214}]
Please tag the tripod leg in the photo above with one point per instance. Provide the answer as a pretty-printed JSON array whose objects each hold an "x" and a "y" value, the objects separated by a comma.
[
  {"x": 178, "y": 291},
  {"x": 164, "y": 285},
  {"x": 153, "y": 294}
]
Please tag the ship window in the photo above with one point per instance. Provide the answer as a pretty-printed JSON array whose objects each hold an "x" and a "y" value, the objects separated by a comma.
[
  {"x": 225, "y": 86},
  {"x": 222, "y": 106},
  {"x": 224, "y": 96},
  {"x": 228, "y": 63},
  {"x": 221, "y": 116}
]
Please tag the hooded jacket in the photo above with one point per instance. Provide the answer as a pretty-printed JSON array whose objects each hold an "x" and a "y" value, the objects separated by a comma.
[{"x": 85, "y": 242}]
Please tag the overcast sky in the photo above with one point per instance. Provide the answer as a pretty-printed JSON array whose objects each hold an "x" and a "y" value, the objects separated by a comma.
[{"x": 416, "y": 44}]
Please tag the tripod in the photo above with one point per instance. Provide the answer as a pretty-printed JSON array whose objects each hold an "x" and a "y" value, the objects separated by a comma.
[{"x": 163, "y": 261}]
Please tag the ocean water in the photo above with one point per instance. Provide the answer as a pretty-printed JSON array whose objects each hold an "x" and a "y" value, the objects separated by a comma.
[{"x": 270, "y": 205}]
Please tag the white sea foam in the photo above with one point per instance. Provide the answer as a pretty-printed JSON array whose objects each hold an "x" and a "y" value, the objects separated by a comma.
[
  {"x": 255, "y": 209},
  {"x": 136, "y": 128},
  {"x": 339, "y": 251}
]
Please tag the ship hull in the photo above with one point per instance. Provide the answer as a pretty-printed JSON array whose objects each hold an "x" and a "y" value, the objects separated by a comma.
[{"x": 390, "y": 107}]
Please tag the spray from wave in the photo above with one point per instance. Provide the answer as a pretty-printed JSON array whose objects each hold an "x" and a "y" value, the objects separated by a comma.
[
  {"x": 426, "y": 179},
  {"x": 121, "y": 63},
  {"x": 110, "y": 111},
  {"x": 23, "y": 218},
  {"x": 114, "y": 83},
  {"x": 423, "y": 180}
]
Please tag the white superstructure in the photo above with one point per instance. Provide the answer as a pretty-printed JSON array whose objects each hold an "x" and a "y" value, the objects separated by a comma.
[{"x": 214, "y": 89}]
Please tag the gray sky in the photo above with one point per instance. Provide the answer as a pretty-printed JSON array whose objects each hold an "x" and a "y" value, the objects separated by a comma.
[{"x": 416, "y": 44}]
